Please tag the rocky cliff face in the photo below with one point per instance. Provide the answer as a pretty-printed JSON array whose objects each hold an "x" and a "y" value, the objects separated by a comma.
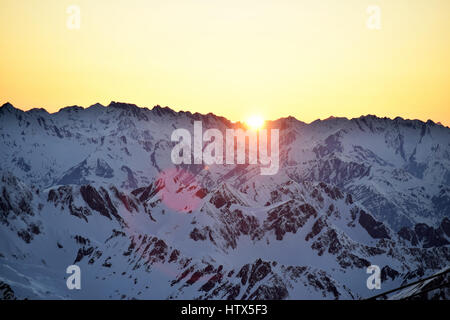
[{"x": 95, "y": 187}]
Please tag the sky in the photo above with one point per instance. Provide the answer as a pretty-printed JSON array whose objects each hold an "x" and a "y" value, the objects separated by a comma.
[{"x": 310, "y": 59}]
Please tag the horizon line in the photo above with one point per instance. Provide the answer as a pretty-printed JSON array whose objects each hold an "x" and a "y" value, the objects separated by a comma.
[{"x": 112, "y": 103}]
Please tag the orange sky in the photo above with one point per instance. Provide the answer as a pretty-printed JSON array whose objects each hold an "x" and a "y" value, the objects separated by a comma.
[{"x": 305, "y": 58}]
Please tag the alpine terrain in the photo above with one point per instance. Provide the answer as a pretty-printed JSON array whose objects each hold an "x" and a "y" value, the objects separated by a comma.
[{"x": 96, "y": 187}]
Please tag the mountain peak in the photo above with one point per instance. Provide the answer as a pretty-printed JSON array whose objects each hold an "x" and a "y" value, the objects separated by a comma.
[
  {"x": 163, "y": 110},
  {"x": 97, "y": 105},
  {"x": 73, "y": 108},
  {"x": 123, "y": 105},
  {"x": 333, "y": 118},
  {"x": 7, "y": 106}
]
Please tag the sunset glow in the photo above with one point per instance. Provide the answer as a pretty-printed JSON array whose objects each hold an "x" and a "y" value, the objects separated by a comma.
[
  {"x": 255, "y": 122},
  {"x": 308, "y": 59}
]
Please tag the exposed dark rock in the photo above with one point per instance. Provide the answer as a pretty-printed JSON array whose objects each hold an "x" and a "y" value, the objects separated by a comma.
[
  {"x": 427, "y": 236},
  {"x": 6, "y": 293},
  {"x": 100, "y": 202},
  {"x": 103, "y": 169},
  {"x": 387, "y": 271},
  {"x": 376, "y": 229},
  {"x": 288, "y": 217}
]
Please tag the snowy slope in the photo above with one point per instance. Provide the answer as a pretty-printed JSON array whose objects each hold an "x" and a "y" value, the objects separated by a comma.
[{"x": 96, "y": 187}]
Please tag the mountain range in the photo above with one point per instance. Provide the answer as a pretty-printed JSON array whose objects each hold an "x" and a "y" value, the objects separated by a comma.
[{"x": 96, "y": 187}]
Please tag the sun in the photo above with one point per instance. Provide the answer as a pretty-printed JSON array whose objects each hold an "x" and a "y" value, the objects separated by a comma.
[{"x": 255, "y": 122}]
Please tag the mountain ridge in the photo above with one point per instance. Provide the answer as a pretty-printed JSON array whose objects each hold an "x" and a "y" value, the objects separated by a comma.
[
  {"x": 125, "y": 105},
  {"x": 96, "y": 187}
]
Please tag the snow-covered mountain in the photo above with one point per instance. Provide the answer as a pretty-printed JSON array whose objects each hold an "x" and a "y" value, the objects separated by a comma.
[
  {"x": 427, "y": 289},
  {"x": 96, "y": 187}
]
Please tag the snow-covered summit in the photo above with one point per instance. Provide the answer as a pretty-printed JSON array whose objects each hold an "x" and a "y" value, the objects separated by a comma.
[{"x": 96, "y": 186}]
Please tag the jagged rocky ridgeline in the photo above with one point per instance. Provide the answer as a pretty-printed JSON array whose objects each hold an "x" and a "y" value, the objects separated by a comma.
[{"x": 96, "y": 187}]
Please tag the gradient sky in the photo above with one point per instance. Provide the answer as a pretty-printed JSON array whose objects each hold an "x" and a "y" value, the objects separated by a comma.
[{"x": 305, "y": 58}]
